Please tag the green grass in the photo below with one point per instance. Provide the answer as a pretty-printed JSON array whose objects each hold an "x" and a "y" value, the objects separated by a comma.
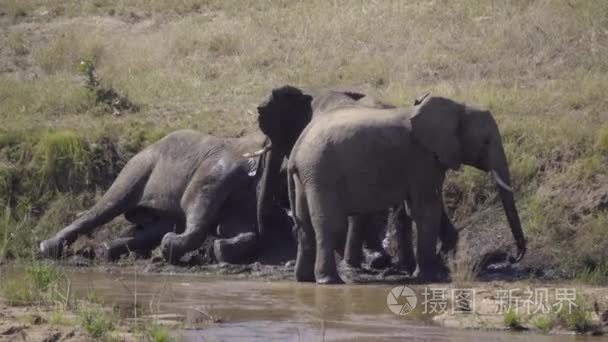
[
  {"x": 40, "y": 284},
  {"x": 543, "y": 323},
  {"x": 95, "y": 321},
  {"x": 59, "y": 317},
  {"x": 577, "y": 318},
  {"x": 157, "y": 333},
  {"x": 512, "y": 320}
]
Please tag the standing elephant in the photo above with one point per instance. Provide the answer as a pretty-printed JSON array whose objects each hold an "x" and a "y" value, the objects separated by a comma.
[
  {"x": 358, "y": 160},
  {"x": 177, "y": 191},
  {"x": 283, "y": 131},
  {"x": 283, "y": 117}
]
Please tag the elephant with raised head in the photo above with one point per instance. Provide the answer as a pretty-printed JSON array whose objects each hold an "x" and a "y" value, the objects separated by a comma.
[
  {"x": 282, "y": 117},
  {"x": 358, "y": 160},
  {"x": 283, "y": 131},
  {"x": 176, "y": 191}
]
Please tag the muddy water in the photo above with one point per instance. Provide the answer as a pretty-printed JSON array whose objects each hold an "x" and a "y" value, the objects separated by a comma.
[{"x": 211, "y": 309}]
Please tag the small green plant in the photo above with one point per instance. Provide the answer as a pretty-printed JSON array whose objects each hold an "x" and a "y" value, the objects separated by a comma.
[
  {"x": 157, "y": 333},
  {"x": 512, "y": 320},
  {"x": 14, "y": 293},
  {"x": 38, "y": 285},
  {"x": 42, "y": 275},
  {"x": 95, "y": 321},
  {"x": 576, "y": 317},
  {"x": 58, "y": 317},
  {"x": 543, "y": 323},
  {"x": 108, "y": 97}
]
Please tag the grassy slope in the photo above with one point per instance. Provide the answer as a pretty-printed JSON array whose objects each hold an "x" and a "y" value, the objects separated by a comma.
[{"x": 540, "y": 66}]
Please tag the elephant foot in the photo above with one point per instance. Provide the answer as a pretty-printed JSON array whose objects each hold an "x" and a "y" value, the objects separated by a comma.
[
  {"x": 408, "y": 265},
  {"x": 329, "y": 280},
  {"x": 432, "y": 275},
  {"x": 170, "y": 250},
  {"x": 304, "y": 278},
  {"x": 304, "y": 274},
  {"x": 235, "y": 250},
  {"x": 51, "y": 248},
  {"x": 107, "y": 253}
]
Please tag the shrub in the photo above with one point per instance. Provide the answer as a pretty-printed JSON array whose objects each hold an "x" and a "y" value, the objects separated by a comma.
[
  {"x": 95, "y": 321},
  {"x": 62, "y": 160},
  {"x": 543, "y": 323},
  {"x": 576, "y": 318},
  {"x": 512, "y": 320},
  {"x": 157, "y": 333}
]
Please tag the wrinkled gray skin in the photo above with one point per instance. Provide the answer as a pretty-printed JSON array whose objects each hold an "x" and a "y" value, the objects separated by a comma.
[
  {"x": 177, "y": 191},
  {"x": 361, "y": 160},
  {"x": 283, "y": 117},
  {"x": 283, "y": 135}
]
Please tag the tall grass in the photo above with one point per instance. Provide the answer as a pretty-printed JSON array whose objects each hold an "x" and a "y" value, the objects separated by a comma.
[{"x": 40, "y": 284}]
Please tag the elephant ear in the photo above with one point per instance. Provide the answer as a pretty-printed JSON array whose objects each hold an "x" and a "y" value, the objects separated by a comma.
[{"x": 436, "y": 124}]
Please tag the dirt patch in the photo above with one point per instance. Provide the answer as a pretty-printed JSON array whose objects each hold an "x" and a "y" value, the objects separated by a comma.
[{"x": 33, "y": 324}]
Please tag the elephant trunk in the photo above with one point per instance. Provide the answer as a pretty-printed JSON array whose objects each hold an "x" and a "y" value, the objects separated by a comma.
[
  {"x": 500, "y": 171},
  {"x": 268, "y": 185}
]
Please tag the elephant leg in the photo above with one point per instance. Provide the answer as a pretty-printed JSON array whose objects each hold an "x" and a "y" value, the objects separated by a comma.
[
  {"x": 448, "y": 235},
  {"x": 200, "y": 220},
  {"x": 237, "y": 249},
  {"x": 400, "y": 225},
  {"x": 427, "y": 215},
  {"x": 305, "y": 258},
  {"x": 122, "y": 196},
  {"x": 328, "y": 220},
  {"x": 353, "y": 251},
  {"x": 145, "y": 240},
  {"x": 202, "y": 208}
]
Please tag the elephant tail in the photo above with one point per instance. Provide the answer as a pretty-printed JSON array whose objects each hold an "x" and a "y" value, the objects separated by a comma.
[
  {"x": 292, "y": 177},
  {"x": 291, "y": 188}
]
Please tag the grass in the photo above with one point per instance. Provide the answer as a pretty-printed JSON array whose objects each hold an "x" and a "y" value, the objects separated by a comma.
[
  {"x": 203, "y": 64},
  {"x": 157, "y": 333},
  {"x": 96, "y": 321},
  {"x": 576, "y": 318},
  {"x": 543, "y": 323},
  {"x": 39, "y": 285},
  {"x": 512, "y": 320}
]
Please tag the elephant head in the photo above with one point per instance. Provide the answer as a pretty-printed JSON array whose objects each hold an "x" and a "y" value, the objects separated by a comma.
[
  {"x": 459, "y": 134},
  {"x": 282, "y": 117}
]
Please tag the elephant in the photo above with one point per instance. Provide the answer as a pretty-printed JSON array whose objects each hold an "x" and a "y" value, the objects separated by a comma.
[
  {"x": 176, "y": 191},
  {"x": 282, "y": 117},
  {"x": 282, "y": 135},
  {"x": 358, "y": 160}
]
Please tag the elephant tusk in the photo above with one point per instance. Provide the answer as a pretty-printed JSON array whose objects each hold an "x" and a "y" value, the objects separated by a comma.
[
  {"x": 420, "y": 98},
  {"x": 501, "y": 182},
  {"x": 257, "y": 153}
]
